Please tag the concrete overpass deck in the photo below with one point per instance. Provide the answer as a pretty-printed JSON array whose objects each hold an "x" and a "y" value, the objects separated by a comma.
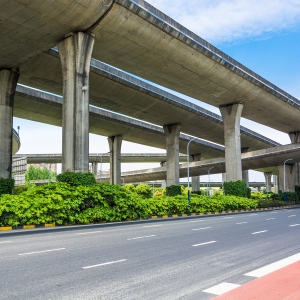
[
  {"x": 134, "y": 36},
  {"x": 98, "y": 157},
  {"x": 16, "y": 143},
  {"x": 47, "y": 108},
  {"x": 264, "y": 158},
  {"x": 120, "y": 92}
]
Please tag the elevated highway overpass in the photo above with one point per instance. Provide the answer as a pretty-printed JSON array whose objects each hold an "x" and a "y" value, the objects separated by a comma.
[
  {"x": 265, "y": 158},
  {"x": 136, "y": 37}
]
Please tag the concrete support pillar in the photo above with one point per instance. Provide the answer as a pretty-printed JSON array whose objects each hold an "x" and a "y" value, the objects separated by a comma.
[
  {"x": 95, "y": 168},
  {"x": 75, "y": 53},
  {"x": 115, "y": 143},
  {"x": 223, "y": 177},
  {"x": 289, "y": 177},
  {"x": 172, "y": 145},
  {"x": 276, "y": 184},
  {"x": 295, "y": 138},
  {"x": 195, "y": 179},
  {"x": 163, "y": 182},
  {"x": 268, "y": 177},
  {"x": 245, "y": 173},
  {"x": 8, "y": 83},
  {"x": 231, "y": 117}
]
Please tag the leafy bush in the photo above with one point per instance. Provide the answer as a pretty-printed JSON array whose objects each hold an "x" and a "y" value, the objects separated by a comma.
[
  {"x": 158, "y": 194},
  {"x": 129, "y": 187},
  {"x": 77, "y": 178},
  {"x": 144, "y": 190},
  {"x": 173, "y": 190},
  {"x": 6, "y": 185},
  {"x": 236, "y": 188}
]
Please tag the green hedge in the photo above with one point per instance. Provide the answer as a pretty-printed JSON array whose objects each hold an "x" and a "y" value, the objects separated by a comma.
[
  {"x": 62, "y": 203},
  {"x": 77, "y": 178},
  {"x": 6, "y": 186},
  {"x": 237, "y": 188},
  {"x": 173, "y": 190}
]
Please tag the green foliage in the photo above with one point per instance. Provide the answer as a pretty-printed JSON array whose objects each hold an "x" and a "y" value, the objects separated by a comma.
[
  {"x": 129, "y": 187},
  {"x": 144, "y": 190},
  {"x": 265, "y": 203},
  {"x": 77, "y": 178},
  {"x": 196, "y": 193},
  {"x": 6, "y": 185},
  {"x": 218, "y": 192},
  {"x": 38, "y": 173},
  {"x": 236, "y": 188},
  {"x": 173, "y": 190},
  {"x": 158, "y": 194}
]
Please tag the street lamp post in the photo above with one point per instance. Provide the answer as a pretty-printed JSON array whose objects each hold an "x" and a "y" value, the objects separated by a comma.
[
  {"x": 284, "y": 192},
  {"x": 208, "y": 185}
]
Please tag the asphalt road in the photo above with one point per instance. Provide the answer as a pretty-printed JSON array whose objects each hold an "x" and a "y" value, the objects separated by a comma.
[{"x": 152, "y": 260}]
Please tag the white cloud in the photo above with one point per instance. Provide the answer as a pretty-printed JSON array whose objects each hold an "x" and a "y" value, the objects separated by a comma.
[{"x": 223, "y": 21}]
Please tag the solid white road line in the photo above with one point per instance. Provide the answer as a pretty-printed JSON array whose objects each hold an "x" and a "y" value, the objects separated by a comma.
[
  {"x": 201, "y": 228},
  {"x": 104, "y": 264},
  {"x": 90, "y": 232},
  {"x": 270, "y": 219},
  {"x": 291, "y": 216},
  {"x": 241, "y": 223},
  {"x": 294, "y": 225},
  {"x": 152, "y": 225},
  {"x": 274, "y": 266},
  {"x": 204, "y": 243},
  {"x": 36, "y": 252},
  {"x": 141, "y": 237},
  {"x": 259, "y": 232},
  {"x": 3, "y": 242},
  {"x": 221, "y": 288}
]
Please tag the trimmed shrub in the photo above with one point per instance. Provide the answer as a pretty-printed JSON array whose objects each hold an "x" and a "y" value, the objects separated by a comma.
[
  {"x": 77, "y": 178},
  {"x": 6, "y": 185},
  {"x": 173, "y": 190},
  {"x": 144, "y": 190},
  {"x": 236, "y": 188}
]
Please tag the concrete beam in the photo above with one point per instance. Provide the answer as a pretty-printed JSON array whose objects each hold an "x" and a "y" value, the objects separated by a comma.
[
  {"x": 115, "y": 143},
  {"x": 8, "y": 83},
  {"x": 75, "y": 53},
  {"x": 172, "y": 133},
  {"x": 231, "y": 116}
]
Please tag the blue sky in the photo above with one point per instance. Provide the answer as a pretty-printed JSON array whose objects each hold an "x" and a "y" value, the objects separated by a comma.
[{"x": 263, "y": 35}]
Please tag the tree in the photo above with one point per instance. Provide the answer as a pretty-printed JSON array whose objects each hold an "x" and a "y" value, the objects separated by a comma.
[{"x": 37, "y": 173}]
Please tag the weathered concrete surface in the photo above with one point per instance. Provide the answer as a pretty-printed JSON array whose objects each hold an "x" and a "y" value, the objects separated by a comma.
[
  {"x": 264, "y": 158},
  {"x": 136, "y": 37},
  {"x": 30, "y": 27},
  {"x": 8, "y": 83},
  {"x": 268, "y": 177},
  {"x": 289, "y": 177},
  {"x": 115, "y": 143},
  {"x": 117, "y": 91},
  {"x": 195, "y": 179},
  {"x": 231, "y": 115},
  {"x": 46, "y": 108},
  {"x": 172, "y": 133},
  {"x": 75, "y": 54},
  {"x": 96, "y": 157}
]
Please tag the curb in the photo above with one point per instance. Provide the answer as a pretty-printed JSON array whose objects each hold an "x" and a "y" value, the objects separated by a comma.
[{"x": 48, "y": 227}]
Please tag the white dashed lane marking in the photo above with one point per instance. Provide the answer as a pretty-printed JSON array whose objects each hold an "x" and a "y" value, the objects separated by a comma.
[
  {"x": 241, "y": 223},
  {"x": 104, "y": 264},
  {"x": 257, "y": 232},
  {"x": 291, "y": 216},
  {"x": 141, "y": 237},
  {"x": 202, "y": 228},
  {"x": 270, "y": 219},
  {"x": 43, "y": 251},
  {"x": 204, "y": 243},
  {"x": 294, "y": 225}
]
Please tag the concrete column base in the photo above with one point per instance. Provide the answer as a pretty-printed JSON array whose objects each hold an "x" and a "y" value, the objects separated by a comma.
[
  {"x": 163, "y": 182},
  {"x": 195, "y": 179},
  {"x": 95, "y": 168},
  {"x": 276, "y": 184},
  {"x": 268, "y": 177},
  {"x": 231, "y": 116},
  {"x": 75, "y": 54},
  {"x": 289, "y": 178},
  {"x": 8, "y": 83},
  {"x": 115, "y": 143},
  {"x": 172, "y": 145}
]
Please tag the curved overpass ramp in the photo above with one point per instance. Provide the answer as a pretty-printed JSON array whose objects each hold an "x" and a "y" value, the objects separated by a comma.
[{"x": 16, "y": 143}]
